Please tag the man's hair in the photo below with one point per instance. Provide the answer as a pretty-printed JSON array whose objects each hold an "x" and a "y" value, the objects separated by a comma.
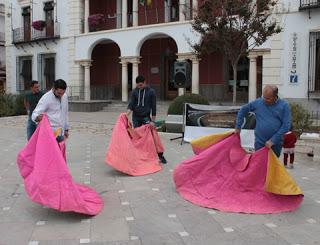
[
  {"x": 140, "y": 79},
  {"x": 60, "y": 84},
  {"x": 33, "y": 82},
  {"x": 275, "y": 91}
]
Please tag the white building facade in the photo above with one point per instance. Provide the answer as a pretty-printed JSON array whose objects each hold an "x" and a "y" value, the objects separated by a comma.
[
  {"x": 36, "y": 44},
  {"x": 291, "y": 59},
  {"x": 99, "y": 47}
]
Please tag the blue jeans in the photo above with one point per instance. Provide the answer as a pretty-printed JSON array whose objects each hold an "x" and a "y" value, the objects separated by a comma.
[
  {"x": 31, "y": 127},
  {"x": 276, "y": 148},
  {"x": 139, "y": 121}
]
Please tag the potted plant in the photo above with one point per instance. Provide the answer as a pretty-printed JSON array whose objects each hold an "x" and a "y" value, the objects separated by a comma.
[
  {"x": 39, "y": 25},
  {"x": 96, "y": 22}
]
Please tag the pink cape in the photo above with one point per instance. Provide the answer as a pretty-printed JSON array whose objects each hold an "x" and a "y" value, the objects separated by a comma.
[
  {"x": 134, "y": 151},
  {"x": 223, "y": 176},
  {"x": 47, "y": 179}
]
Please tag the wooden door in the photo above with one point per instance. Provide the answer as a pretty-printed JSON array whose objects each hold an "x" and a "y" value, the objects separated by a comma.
[
  {"x": 49, "y": 23},
  {"x": 26, "y": 24}
]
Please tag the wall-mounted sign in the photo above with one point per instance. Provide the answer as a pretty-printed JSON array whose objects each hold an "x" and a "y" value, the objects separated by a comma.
[
  {"x": 293, "y": 59},
  {"x": 154, "y": 70}
]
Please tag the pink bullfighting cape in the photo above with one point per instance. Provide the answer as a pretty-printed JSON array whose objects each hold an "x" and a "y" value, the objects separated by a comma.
[
  {"x": 224, "y": 176},
  {"x": 134, "y": 151},
  {"x": 47, "y": 178}
]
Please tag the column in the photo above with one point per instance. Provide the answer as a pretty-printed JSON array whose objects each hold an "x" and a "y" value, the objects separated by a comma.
[
  {"x": 135, "y": 13},
  {"x": 195, "y": 75},
  {"x": 135, "y": 70},
  {"x": 182, "y": 5},
  {"x": 86, "y": 65},
  {"x": 166, "y": 11},
  {"x": 86, "y": 15},
  {"x": 252, "y": 77},
  {"x": 119, "y": 7},
  {"x": 194, "y": 8},
  {"x": 124, "y": 13},
  {"x": 124, "y": 63}
]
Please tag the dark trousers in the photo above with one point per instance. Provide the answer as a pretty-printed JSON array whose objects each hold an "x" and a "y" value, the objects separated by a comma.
[
  {"x": 31, "y": 127},
  {"x": 285, "y": 158},
  {"x": 139, "y": 121}
]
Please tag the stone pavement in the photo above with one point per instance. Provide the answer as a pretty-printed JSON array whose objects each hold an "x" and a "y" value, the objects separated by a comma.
[{"x": 138, "y": 210}]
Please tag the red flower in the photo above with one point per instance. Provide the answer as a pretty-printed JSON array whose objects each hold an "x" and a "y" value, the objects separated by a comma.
[
  {"x": 39, "y": 25},
  {"x": 96, "y": 21}
]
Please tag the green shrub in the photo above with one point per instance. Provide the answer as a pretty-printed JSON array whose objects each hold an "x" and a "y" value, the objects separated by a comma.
[
  {"x": 300, "y": 118},
  {"x": 19, "y": 108},
  {"x": 6, "y": 105},
  {"x": 176, "y": 106},
  {"x": 11, "y": 105}
]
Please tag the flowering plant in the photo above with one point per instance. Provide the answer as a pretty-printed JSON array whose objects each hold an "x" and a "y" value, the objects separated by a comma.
[
  {"x": 39, "y": 25},
  {"x": 96, "y": 22}
]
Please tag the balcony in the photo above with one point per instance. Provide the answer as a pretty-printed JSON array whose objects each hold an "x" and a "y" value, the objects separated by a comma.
[
  {"x": 309, "y": 4},
  {"x": 147, "y": 16},
  {"x": 20, "y": 35}
]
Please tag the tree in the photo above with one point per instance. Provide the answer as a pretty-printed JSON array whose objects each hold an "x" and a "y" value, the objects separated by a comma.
[{"x": 233, "y": 27}]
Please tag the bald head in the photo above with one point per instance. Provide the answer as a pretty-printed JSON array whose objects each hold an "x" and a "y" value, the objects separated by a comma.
[{"x": 270, "y": 94}]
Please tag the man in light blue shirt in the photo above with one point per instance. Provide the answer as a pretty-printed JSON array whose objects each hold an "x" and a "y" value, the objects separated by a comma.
[{"x": 273, "y": 119}]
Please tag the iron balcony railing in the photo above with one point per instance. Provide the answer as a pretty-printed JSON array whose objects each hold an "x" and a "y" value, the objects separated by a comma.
[
  {"x": 308, "y": 4},
  {"x": 20, "y": 35}
]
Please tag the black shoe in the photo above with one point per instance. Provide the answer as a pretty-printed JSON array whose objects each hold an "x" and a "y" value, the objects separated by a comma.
[{"x": 162, "y": 159}]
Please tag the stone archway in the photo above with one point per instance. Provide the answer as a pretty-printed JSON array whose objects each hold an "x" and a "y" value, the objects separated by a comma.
[
  {"x": 158, "y": 54},
  {"x": 105, "y": 71}
]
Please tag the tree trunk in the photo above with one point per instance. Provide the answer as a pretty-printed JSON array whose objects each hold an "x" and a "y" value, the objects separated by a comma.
[{"x": 235, "y": 70}]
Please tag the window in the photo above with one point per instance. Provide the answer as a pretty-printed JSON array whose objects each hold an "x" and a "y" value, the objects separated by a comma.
[
  {"x": 317, "y": 65},
  {"x": 314, "y": 62},
  {"x": 46, "y": 70},
  {"x": 26, "y": 23},
  {"x": 49, "y": 18},
  {"x": 24, "y": 73}
]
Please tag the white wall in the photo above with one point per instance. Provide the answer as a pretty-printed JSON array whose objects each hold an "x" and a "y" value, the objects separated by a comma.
[{"x": 59, "y": 47}]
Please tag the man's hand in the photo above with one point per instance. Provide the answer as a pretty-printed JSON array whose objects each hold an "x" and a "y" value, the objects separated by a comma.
[
  {"x": 152, "y": 124},
  {"x": 39, "y": 118},
  {"x": 66, "y": 133},
  {"x": 269, "y": 144},
  {"x": 237, "y": 131},
  {"x": 128, "y": 117}
]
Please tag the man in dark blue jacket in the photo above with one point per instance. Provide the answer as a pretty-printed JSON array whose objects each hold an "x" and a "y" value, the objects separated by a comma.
[{"x": 143, "y": 107}]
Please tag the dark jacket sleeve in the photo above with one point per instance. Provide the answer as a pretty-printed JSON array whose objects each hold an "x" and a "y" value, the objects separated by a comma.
[
  {"x": 132, "y": 100},
  {"x": 153, "y": 103}
]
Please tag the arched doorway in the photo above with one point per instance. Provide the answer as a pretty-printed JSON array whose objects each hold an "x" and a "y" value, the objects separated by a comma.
[
  {"x": 158, "y": 55},
  {"x": 105, "y": 72}
]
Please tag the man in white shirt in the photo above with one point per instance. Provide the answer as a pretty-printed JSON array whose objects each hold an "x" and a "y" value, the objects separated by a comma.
[{"x": 55, "y": 104}]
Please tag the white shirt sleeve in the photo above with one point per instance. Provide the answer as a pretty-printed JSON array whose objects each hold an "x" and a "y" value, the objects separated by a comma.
[
  {"x": 40, "y": 108},
  {"x": 67, "y": 126}
]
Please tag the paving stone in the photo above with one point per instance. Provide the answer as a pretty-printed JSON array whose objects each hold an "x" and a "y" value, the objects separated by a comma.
[
  {"x": 113, "y": 229},
  {"x": 15, "y": 232},
  {"x": 150, "y": 208}
]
